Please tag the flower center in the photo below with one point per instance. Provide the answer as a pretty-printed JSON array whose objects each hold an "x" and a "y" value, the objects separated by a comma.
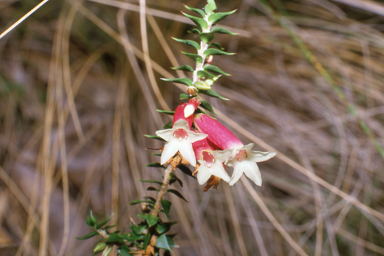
[
  {"x": 208, "y": 158},
  {"x": 242, "y": 155},
  {"x": 180, "y": 134}
]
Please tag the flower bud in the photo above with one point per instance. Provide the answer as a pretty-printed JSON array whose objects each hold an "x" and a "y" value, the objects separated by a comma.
[{"x": 203, "y": 85}]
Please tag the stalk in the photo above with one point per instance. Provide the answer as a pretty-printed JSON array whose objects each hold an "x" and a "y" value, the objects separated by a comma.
[{"x": 162, "y": 191}]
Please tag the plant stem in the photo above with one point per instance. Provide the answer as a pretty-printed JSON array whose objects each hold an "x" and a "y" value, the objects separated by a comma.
[{"x": 162, "y": 191}]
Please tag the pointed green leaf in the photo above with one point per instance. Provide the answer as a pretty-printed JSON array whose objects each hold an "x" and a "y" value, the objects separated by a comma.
[
  {"x": 217, "y": 45},
  {"x": 138, "y": 229},
  {"x": 124, "y": 250},
  {"x": 104, "y": 222},
  {"x": 170, "y": 241},
  {"x": 196, "y": 10},
  {"x": 92, "y": 234},
  {"x": 177, "y": 193},
  {"x": 183, "y": 80},
  {"x": 198, "y": 21},
  {"x": 195, "y": 57},
  {"x": 134, "y": 202},
  {"x": 200, "y": 111},
  {"x": 152, "y": 181},
  {"x": 89, "y": 222},
  {"x": 154, "y": 165},
  {"x": 206, "y": 37},
  {"x": 152, "y": 189},
  {"x": 168, "y": 125},
  {"x": 207, "y": 106},
  {"x": 212, "y": 93},
  {"x": 185, "y": 169},
  {"x": 205, "y": 75},
  {"x": 184, "y": 67},
  {"x": 165, "y": 112},
  {"x": 147, "y": 237},
  {"x": 194, "y": 30},
  {"x": 188, "y": 42},
  {"x": 166, "y": 206},
  {"x": 215, "y": 17},
  {"x": 152, "y": 220},
  {"x": 162, "y": 243},
  {"x": 184, "y": 96},
  {"x": 215, "y": 69},
  {"x": 174, "y": 178},
  {"x": 114, "y": 238},
  {"x": 154, "y": 137},
  {"x": 163, "y": 227},
  {"x": 210, "y": 7},
  {"x": 93, "y": 219},
  {"x": 109, "y": 227},
  {"x": 212, "y": 51},
  {"x": 99, "y": 247},
  {"x": 156, "y": 154},
  {"x": 222, "y": 31}
]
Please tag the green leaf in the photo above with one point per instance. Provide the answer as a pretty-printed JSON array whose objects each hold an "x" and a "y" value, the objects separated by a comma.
[
  {"x": 212, "y": 51},
  {"x": 154, "y": 137},
  {"x": 156, "y": 154},
  {"x": 196, "y": 10},
  {"x": 170, "y": 241},
  {"x": 194, "y": 31},
  {"x": 184, "y": 96},
  {"x": 89, "y": 222},
  {"x": 104, "y": 222},
  {"x": 165, "y": 112},
  {"x": 177, "y": 193},
  {"x": 154, "y": 165},
  {"x": 92, "y": 234},
  {"x": 195, "y": 57},
  {"x": 205, "y": 75},
  {"x": 152, "y": 181},
  {"x": 152, "y": 220},
  {"x": 138, "y": 229},
  {"x": 166, "y": 206},
  {"x": 183, "y": 80},
  {"x": 207, "y": 37},
  {"x": 109, "y": 227},
  {"x": 210, "y": 7},
  {"x": 217, "y": 45},
  {"x": 162, "y": 243},
  {"x": 215, "y": 17},
  {"x": 174, "y": 178},
  {"x": 212, "y": 93},
  {"x": 207, "y": 106},
  {"x": 185, "y": 170},
  {"x": 124, "y": 250},
  {"x": 198, "y": 21},
  {"x": 215, "y": 69},
  {"x": 168, "y": 125},
  {"x": 188, "y": 42},
  {"x": 93, "y": 219},
  {"x": 163, "y": 227},
  {"x": 114, "y": 238},
  {"x": 222, "y": 31},
  {"x": 147, "y": 237},
  {"x": 99, "y": 247},
  {"x": 152, "y": 189},
  {"x": 185, "y": 68}
]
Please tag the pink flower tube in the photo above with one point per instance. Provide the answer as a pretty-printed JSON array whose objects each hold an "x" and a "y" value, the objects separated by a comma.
[{"x": 242, "y": 158}]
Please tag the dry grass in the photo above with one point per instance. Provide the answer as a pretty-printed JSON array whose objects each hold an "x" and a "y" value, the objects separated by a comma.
[{"x": 79, "y": 85}]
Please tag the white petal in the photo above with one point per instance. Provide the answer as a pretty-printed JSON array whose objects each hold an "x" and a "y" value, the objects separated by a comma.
[
  {"x": 237, "y": 172},
  {"x": 170, "y": 149},
  {"x": 181, "y": 123},
  {"x": 188, "y": 110},
  {"x": 203, "y": 174},
  {"x": 222, "y": 155},
  {"x": 187, "y": 152},
  {"x": 251, "y": 170},
  {"x": 165, "y": 134},
  {"x": 218, "y": 170},
  {"x": 258, "y": 156},
  {"x": 248, "y": 147},
  {"x": 193, "y": 136}
]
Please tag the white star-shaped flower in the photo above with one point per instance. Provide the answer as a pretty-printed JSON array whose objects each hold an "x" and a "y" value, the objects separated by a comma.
[
  {"x": 244, "y": 160},
  {"x": 179, "y": 138},
  {"x": 212, "y": 164}
]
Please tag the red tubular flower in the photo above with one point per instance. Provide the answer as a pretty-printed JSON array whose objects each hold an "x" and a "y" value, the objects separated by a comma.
[
  {"x": 179, "y": 114},
  {"x": 243, "y": 158},
  {"x": 191, "y": 107}
]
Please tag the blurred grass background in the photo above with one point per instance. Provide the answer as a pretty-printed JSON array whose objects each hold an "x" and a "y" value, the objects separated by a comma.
[{"x": 79, "y": 85}]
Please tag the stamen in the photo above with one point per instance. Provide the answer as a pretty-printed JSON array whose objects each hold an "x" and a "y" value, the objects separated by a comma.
[{"x": 242, "y": 155}]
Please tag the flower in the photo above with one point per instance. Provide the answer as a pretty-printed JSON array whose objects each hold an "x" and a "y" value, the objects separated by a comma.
[
  {"x": 191, "y": 107},
  {"x": 210, "y": 162},
  {"x": 243, "y": 159},
  {"x": 180, "y": 138}
]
